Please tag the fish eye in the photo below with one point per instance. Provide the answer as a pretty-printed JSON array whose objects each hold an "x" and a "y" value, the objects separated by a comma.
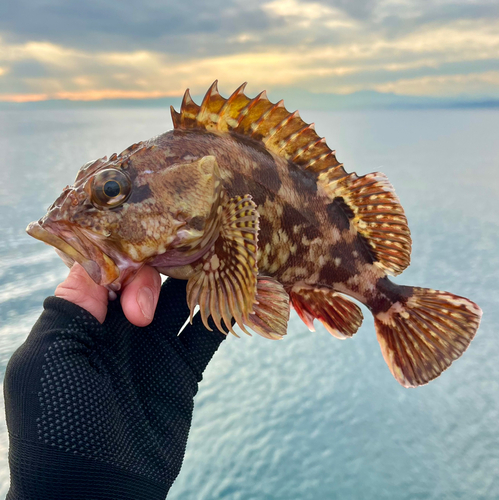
[{"x": 110, "y": 188}]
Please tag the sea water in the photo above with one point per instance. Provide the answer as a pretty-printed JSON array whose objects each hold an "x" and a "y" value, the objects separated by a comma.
[{"x": 307, "y": 417}]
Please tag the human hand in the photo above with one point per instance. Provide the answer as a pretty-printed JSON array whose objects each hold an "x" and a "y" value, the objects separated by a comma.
[
  {"x": 103, "y": 411},
  {"x": 138, "y": 298}
]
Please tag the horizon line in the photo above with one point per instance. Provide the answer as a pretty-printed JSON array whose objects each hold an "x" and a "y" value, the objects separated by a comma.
[
  {"x": 432, "y": 103},
  {"x": 132, "y": 95}
]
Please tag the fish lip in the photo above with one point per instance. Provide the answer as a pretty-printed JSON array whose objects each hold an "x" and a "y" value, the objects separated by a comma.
[{"x": 73, "y": 244}]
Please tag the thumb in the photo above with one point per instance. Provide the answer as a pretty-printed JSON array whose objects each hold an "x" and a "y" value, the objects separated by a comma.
[
  {"x": 140, "y": 297},
  {"x": 81, "y": 290}
]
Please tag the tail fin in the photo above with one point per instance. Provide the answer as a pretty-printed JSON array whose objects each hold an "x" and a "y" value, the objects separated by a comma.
[{"x": 420, "y": 336}]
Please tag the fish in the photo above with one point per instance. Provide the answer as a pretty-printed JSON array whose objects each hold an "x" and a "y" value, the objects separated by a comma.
[{"x": 246, "y": 202}]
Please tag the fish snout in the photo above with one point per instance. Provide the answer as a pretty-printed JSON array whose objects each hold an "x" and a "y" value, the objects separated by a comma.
[
  {"x": 66, "y": 205},
  {"x": 73, "y": 246}
]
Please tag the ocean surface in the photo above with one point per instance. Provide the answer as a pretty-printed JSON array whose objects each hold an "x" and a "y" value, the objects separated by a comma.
[{"x": 309, "y": 417}]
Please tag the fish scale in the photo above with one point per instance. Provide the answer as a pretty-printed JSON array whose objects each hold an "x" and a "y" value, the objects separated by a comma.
[{"x": 245, "y": 201}]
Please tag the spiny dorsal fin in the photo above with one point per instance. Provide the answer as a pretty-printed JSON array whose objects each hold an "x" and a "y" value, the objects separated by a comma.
[
  {"x": 282, "y": 132},
  {"x": 377, "y": 215}
]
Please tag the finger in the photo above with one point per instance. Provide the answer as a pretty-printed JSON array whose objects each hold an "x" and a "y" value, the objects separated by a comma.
[
  {"x": 200, "y": 343},
  {"x": 81, "y": 290},
  {"x": 139, "y": 298}
]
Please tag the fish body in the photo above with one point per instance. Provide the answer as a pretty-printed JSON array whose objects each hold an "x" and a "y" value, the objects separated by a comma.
[
  {"x": 248, "y": 204},
  {"x": 303, "y": 235}
]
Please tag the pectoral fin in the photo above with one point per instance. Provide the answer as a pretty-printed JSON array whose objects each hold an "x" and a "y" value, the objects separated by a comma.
[{"x": 225, "y": 282}]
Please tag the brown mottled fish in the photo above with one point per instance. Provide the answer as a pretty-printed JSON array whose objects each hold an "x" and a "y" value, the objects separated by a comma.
[{"x": 245, "y": 201}]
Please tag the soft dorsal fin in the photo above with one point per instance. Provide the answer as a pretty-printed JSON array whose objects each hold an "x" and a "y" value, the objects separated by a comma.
[
  {"x": 376, "y": 214},
  {"x": 282, "y": 132}
]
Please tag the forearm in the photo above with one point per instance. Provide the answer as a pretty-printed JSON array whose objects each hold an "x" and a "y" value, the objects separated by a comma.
[{"x": 102, "y": 411}]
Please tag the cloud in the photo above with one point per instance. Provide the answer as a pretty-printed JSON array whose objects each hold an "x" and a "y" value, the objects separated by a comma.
[
  {"x": 127, "y": 24},
  {"x": 305, "y": 14},
  {"x": 95, "y": 50}
]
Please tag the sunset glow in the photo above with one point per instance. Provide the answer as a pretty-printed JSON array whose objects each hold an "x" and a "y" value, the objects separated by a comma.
[{"x": 396, "y": 47}]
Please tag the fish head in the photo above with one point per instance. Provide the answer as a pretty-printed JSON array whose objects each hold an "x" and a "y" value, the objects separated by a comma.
[{"x": 129, "y": 210}]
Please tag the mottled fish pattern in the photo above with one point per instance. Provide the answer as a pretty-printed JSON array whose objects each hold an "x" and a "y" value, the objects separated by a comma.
[{"x": 245, "y": 201}]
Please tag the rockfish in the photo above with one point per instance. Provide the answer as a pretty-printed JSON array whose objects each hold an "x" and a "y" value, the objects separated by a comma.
[{"x": 245, "y": 201}]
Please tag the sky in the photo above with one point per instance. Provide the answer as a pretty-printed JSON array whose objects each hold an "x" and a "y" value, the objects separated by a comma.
[{"x": 123, "y": 49}]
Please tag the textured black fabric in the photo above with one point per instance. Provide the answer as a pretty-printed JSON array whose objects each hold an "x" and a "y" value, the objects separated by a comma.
[{"x": 103, "y": 411}]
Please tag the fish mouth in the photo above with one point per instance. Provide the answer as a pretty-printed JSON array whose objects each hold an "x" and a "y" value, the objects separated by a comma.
[{"x": 74, "y": 246}]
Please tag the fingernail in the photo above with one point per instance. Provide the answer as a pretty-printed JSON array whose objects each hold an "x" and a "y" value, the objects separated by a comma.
[{"x": 145, "y": 299}]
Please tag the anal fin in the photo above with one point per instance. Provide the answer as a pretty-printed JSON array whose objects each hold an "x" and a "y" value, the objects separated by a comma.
[
  {"x": 271, "y": 312},
  {"x": 341, "y": 317}
]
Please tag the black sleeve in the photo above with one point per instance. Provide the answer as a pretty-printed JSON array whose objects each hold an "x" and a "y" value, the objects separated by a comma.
[{"x": 100, "y": 412}]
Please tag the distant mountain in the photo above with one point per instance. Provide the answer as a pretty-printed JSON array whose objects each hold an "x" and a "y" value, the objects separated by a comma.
[
  {"x": 294, "y": 99},
  {"x": 368, "y": 99}
]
